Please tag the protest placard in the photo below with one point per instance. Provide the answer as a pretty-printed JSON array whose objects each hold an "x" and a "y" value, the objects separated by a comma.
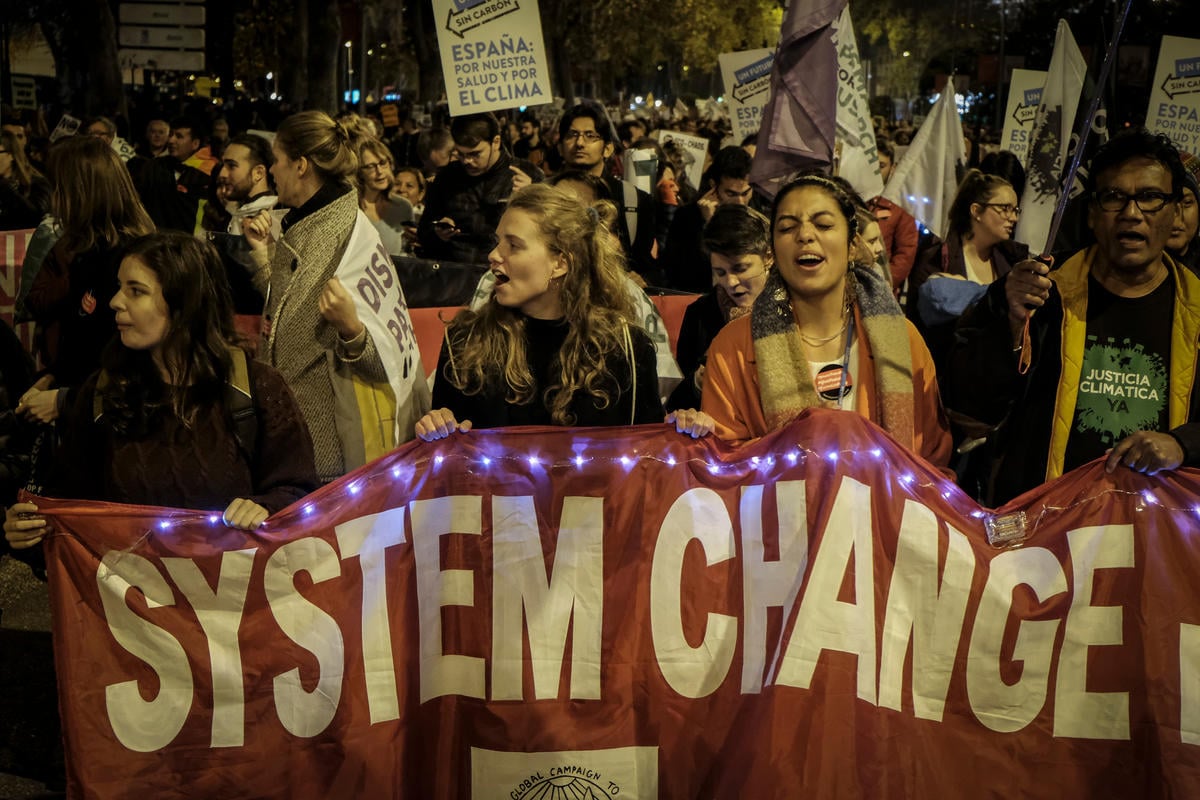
[
  {"x": 747, "y": 75},
  {"x": 493, "y": 56},
  {"x": 1024, "y": 96},
  {"x": 1175, "y": 96},
  {"x": 694, "y": 146}
]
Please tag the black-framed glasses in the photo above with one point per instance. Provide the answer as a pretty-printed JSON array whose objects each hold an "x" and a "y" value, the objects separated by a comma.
[
  {"x": 1006, "y": 209},
  {"x": 1147, "y": 202},
  {"x": 590, "y": 137},
  {"x": 378, "y": 166}
]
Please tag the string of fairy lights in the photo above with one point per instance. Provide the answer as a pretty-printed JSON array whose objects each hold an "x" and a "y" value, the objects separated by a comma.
[{"x": 1002, "y": 530}]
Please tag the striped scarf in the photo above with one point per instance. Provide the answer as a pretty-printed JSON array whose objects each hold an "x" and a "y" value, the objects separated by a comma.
[{"x": 783, "y": 373}]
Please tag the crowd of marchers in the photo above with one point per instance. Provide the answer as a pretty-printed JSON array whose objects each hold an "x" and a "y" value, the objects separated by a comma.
[{"x": 1001, "y": 367}]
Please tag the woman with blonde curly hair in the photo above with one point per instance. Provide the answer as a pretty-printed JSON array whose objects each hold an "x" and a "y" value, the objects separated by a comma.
[{"x": 558, "y": 342}]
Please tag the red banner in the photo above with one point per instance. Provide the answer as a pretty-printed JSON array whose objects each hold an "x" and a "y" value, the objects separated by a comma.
[{"x": 544, "y": 613}]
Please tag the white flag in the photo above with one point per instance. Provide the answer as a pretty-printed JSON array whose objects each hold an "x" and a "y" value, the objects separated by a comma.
[
  {"x": 926, "y": 178},
  {"x": 1047, "y": 157},
  {"x": 857, "y": 161}
]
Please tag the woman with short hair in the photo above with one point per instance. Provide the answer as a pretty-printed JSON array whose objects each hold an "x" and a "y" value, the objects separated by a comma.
[{"x": 388, "y": 211}]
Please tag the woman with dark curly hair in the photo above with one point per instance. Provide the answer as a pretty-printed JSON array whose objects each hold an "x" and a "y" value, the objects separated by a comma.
[
  {"x": 179, "y": 415},
  {"x": 824, "y": 332},
  {"x": 558, "y": 342}
]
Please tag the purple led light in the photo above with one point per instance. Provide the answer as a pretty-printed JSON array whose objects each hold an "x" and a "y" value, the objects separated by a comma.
[
  {"x": 670, "y": 461},
  {"x": 579, "y": 461},
  {"x": 164, "y": 524}
]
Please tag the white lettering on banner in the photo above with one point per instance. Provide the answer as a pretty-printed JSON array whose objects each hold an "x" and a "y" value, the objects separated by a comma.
[
  {"x": 139, "y": 724},
  {"x": 220, "y": 616},
  {"x": 998, "y": 705},
  {"x": 572, "y": 597},
  {"x": 922, "y": 614},
  {"x": 301, "y": 712},
  {"x": 925, "y": 614},
  {"x": 824, "y": 622},
  {"x": 698, "y": 514},
  {"x": 770, "y": 584},
  {"x": 1189, "y": 683},
  {"x": 436, "y": 588},
  {"x": 1078, "y": 712},
  {"x": 369, "y": 538}
]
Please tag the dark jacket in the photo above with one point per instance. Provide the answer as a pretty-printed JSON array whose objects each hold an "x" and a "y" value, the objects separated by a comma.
[
  {"x": 685, "y": 265},
  {"x": 633, "y": 386},
  {"x": 172, "y": 192},
  {"x": 474, "y": 202},
  {"x": 702, "y": 321},
  {"x": 23, "y": 210}
]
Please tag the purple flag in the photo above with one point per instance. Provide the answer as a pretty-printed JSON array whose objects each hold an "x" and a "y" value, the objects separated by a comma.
[{"x": 800, "y": 119}]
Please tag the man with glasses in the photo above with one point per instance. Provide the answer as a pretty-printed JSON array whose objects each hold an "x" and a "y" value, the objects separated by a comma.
[
  {"x": 1096, "y": 359},
  {"x": 463, "y": 206},
  {"x": 586, "y": 141}
]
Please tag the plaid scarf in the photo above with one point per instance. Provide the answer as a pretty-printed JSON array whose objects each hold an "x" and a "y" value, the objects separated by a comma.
[{"x": 783, "y": 371}]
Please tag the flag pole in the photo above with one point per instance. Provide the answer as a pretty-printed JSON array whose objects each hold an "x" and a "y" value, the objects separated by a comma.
[
  {"x": 1025, "y": 360},
  {"x": 1085, "y": 129}
]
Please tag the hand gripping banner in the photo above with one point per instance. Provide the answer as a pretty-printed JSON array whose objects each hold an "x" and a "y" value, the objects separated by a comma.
[{"x": 546, "y": 613}]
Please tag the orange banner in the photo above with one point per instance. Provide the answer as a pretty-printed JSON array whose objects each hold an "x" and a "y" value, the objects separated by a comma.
[{"x": 542, "y": 613}]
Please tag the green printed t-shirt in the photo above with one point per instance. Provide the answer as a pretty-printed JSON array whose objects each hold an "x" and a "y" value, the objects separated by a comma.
[{"x": 1123, "y": 386}]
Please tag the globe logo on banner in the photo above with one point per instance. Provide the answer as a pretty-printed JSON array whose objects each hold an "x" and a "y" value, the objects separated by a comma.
[
  {"x": 564, "y": 788},
  {"x": 630, "y": 773}
]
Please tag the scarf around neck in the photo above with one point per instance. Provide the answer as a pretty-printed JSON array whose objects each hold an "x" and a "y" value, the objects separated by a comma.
[{"x": 783, "y": 372}]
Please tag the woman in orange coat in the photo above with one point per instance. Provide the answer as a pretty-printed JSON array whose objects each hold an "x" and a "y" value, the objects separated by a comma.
[{"x": 824, "y": 332}]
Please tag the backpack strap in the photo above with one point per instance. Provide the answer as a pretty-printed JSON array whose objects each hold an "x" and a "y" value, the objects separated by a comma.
[
  {"x": 98, "y": 395},
  {"x": 629, "y": 191}
]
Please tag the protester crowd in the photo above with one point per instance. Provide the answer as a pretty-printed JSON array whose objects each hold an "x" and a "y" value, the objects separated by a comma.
[
  {"x": 1001, "y": 369},
  {"x": 802, "y": 299}
]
